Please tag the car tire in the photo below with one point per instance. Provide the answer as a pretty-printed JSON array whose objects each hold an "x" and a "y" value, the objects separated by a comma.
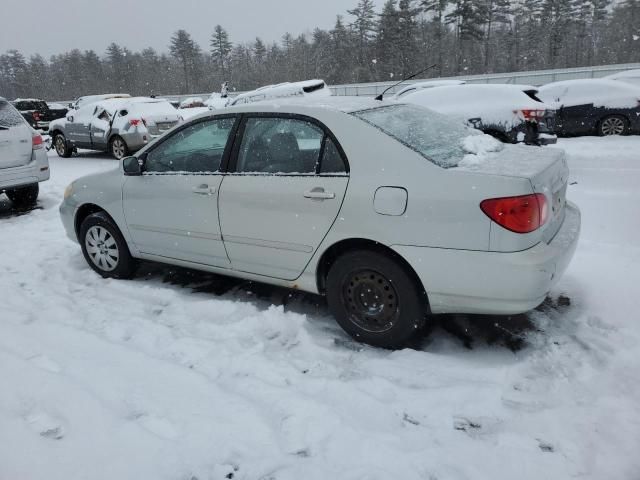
[
  {"x": 375, "y": 299},
  {"x": 61, "y": 146},
  {"x": 24, "y": 196},
  {"x": 613, "y": 125},
  {"x": 118, "y": 148},
  {"x": 104, "y": 248}
]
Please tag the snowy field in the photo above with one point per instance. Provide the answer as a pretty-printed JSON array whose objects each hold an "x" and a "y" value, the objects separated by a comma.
[{"x": 179, "y": 375}]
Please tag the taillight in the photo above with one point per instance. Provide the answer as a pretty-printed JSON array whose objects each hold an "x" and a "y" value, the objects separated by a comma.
[
  {"x": 36, "y": 142},
  {"x": 524, "y": 214},
  {"x": 532, "y": 115},
  {"x": 134, "y": 122}
]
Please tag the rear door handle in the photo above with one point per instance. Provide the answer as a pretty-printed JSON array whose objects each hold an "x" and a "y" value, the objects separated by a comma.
[
  {"x": 319, "y": 193},
  {"x": 204, "y": 190}
]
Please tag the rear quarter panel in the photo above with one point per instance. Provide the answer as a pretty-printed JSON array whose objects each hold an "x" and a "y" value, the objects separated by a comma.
[{"x": 443, "y": 204}]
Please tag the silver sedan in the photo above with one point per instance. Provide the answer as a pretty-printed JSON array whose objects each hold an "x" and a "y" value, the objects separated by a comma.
[{"x": 392, "y": 211}]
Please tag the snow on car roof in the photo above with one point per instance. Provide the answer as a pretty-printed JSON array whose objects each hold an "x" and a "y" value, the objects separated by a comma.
[
  {"x": 599, "y": 92},
  {"x": 286, "y": 89},
  {"x": 625, "y": 74},
  {"x": 341, "y": 104}
]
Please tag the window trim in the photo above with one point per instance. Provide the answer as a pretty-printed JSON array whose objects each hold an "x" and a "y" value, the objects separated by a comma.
[
  {"x": 233, "y": 160},
  {"x": 225, "y": 156}
]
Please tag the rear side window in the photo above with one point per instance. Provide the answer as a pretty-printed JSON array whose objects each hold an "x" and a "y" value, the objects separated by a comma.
[
  {"x": 9, "y": 116},
  {"x": 436, "y": 137}
]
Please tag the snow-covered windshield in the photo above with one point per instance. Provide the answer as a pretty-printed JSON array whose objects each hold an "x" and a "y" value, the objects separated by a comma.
[{"x": 435, "y": 136}]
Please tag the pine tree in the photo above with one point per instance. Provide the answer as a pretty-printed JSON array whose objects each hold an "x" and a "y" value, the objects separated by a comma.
[
  {"x": 186, "y": 52},
  {"x": 364, "y": 27},
  {"x": 438, "y": 9},
  {"x": 221, "y": 48}
]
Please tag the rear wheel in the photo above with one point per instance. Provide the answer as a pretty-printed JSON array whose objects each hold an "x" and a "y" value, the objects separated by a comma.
[
  {"x": 118, "y": 148},
  {"x": 24, "y": 196},
  {"x": 613, "y": 125},
  {"x": 375, "y": 300},
  {"x": 104, "y": 247},
  {"x": 60, "y": 144}
]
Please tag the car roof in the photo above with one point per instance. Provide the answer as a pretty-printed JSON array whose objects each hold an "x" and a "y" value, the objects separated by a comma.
[
  {"x": 284, "y": 89},
  {"x": 605, "y": 82},
  {"x": 338, "y": 104},
  {"x": 304, "y": 106}
]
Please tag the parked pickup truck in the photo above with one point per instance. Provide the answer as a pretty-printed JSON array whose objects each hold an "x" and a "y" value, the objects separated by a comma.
[{"x": 38, "y": 113}]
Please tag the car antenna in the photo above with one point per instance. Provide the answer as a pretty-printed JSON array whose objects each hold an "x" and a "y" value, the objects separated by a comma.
[{"x": 381, "y": 96}]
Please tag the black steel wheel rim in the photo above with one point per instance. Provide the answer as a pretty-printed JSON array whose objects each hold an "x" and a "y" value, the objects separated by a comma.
[{"x": 371, "y": 300}]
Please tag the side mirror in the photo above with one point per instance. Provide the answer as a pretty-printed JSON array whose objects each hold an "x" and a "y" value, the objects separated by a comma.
[
  {"x": 132, "y": 166},
  {"x": 70, "y": 119}
]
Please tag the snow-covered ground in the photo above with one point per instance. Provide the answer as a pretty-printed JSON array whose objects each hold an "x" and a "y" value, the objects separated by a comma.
[{"x": 179, "y": 375}]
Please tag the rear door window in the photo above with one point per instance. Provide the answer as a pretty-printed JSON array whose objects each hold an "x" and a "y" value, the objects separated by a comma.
[{"x": 280, "y": 145}]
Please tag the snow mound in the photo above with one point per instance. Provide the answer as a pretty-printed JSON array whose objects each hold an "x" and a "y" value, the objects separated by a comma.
[{"x": 477, "y": 148}]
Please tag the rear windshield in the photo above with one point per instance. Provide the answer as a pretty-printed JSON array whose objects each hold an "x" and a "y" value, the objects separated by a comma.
[
  {"x": 9, "y": 116},
  {"x": 436, "y": 137}
]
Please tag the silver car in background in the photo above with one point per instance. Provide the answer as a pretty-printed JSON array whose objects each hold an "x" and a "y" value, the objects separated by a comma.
[
  {"x": 23, "y": 158},
  {"x": 390, "y": 210},
  {"x": 118, "y": 126}
]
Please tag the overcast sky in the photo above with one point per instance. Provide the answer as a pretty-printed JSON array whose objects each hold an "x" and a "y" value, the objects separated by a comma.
[{"x": 48, "y": 27}]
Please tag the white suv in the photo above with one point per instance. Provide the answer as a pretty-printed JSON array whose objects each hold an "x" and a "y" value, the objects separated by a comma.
[{"x": 23, "y": 158}]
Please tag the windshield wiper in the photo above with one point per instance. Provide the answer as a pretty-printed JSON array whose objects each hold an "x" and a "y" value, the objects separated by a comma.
[{"x": 4, "y": 127}]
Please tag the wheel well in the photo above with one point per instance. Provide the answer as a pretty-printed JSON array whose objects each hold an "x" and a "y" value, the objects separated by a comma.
[
  {"x": 338, "y": 249},
  {"x": 54, "y": 133},
  {"x": 83, "y": 212}
]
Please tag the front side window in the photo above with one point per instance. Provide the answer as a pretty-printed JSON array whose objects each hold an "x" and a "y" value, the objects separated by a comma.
[
  {"x": 198, "y": 148},
  {"x": 280, "y": 145}
]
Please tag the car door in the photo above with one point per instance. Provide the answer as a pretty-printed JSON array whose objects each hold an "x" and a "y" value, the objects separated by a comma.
[
  {"x": 78, "y": 126},
  {"x": 172, "y": 208},
  {"x": 99, "y": 128},
  {"x": 278, "y": 201}
]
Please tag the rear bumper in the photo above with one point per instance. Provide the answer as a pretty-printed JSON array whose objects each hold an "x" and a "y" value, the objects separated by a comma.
[
  {"x": 34, "y": 172},
  {"x": 461, "y": 281}
]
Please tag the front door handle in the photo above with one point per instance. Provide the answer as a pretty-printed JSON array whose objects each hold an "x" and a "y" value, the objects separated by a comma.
[
  {"x": 319, "y": 193},
  {"x": 204, "y": 190}
]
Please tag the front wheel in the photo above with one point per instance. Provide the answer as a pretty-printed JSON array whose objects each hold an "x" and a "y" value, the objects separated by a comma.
[
  {"x": 613, "y": 125},
  {"x": 375, "y": 299},
  {"x": 62, "y": 148},
  {"x": 119, "y": 148},
  {"x": 24, "y": 196},
  {"x": 104, "y": 247}
]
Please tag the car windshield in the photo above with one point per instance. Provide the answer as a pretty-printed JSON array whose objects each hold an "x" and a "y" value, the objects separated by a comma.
[
  {"x": 9, "y": 116},
  {"x": 436, "y": 137}
]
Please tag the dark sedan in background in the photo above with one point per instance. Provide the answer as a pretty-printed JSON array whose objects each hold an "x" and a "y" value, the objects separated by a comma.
[{"x": 594, "y": 107}]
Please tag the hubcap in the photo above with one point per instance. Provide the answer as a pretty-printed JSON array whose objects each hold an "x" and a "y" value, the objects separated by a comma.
[
  {"x": 613, "y": 126},
  {"x": 118, "y": 148},
  {"x": 102, "y": 248},
  {"x": 60, "y": 146},
  {"x": 372, "y": 301}
]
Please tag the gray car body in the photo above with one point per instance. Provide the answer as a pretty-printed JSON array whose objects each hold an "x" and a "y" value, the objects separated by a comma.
[
  {"x": 464, "y": 261},
  {"x": 20, "y": 165},
  {"x": 84, "y": 129}
]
